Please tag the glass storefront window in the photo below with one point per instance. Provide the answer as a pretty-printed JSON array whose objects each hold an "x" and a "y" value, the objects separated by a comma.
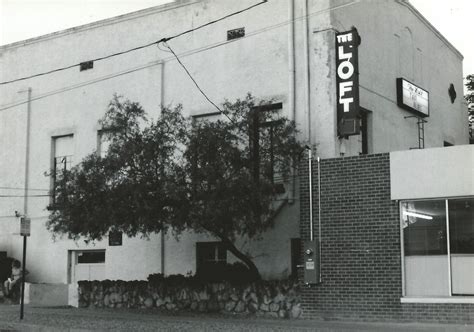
[
  {"x": 425, "y": 247},
  {"x": 461, "y": 242},
  {"x": 424, "y": 228},
  {"x": 433, "y": 264},
  {"x": 461, "y": 226}
]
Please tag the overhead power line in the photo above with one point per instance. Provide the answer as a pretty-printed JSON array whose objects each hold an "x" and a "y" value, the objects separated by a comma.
[
  {"x": 195, "y": 83},
  {"x": 135, "y": 48},
  {"x": 24, "y": 196},
  {"x": 22, "y": 188},
  {"x": 184, "y": 54}
]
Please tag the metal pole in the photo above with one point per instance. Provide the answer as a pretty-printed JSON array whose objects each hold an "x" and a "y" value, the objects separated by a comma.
[
  {"x": 25, "y": 201},
  {"x": 310, "y": 170},
  {"x": 448, "y": 246},
  {"x": 23, "y": 278},
  {"x": 27, "y": 154}
]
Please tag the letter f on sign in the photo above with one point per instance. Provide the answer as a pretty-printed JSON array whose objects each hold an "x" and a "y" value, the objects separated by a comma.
[{"x": 343, "y": 88}]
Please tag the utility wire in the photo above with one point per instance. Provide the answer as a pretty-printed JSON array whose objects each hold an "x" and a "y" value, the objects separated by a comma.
[
  {"x": 184, "y": 54},
  {"x": 19, "y": 188},
  {"x": 25, "y": 196},
  {"x": 196, "y": 84},
  {"x": 215, "y": 21},
  {"x": 77, "y": 64},
  {"x": 136, "y": 48}
]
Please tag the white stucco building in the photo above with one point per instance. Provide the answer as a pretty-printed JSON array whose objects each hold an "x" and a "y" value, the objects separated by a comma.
[{"x": 284, "y": 50}]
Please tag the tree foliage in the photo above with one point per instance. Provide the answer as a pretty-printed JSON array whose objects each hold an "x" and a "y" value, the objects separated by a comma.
[
  {"x": 213, "y": 177},
  {"x": 470, "y": 103}
]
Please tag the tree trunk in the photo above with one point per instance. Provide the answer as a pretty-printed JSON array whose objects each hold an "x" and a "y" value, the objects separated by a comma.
[{"x": 246, "y": 260}]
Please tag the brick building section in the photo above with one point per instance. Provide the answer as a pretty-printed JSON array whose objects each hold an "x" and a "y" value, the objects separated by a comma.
[{"x": 361, "y": 259}]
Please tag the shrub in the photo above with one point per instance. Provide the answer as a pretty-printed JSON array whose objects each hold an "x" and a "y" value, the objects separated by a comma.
[{"x": 236, "y": 273}]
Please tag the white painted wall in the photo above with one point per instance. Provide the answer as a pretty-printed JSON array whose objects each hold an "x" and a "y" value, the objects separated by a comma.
[
  {"x": 432, "y": 173},
  {"x": 72, "y": 102},
  {"x": 397, "y": 42}
]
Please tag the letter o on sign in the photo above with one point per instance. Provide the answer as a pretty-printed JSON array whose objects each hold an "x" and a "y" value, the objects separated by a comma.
[{"x": 348, "y": 72}]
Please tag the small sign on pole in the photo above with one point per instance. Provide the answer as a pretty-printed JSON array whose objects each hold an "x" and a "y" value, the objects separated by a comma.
[{"x": 25, "y": 226}]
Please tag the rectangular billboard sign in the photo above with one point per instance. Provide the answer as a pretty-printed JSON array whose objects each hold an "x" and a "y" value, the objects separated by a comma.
[
  {"x": 412, "y": 98},
  {"x": 347, "y": 81}
]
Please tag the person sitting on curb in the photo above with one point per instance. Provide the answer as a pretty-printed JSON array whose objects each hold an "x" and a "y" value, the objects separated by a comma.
[{"x": 14, "y": 279}]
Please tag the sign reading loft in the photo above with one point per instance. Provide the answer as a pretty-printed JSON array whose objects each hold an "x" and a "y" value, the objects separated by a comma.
[{"x": 347, "y": 81}]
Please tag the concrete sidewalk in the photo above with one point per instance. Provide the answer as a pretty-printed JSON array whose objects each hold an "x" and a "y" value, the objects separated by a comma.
[{"x": 81, "y": 320}]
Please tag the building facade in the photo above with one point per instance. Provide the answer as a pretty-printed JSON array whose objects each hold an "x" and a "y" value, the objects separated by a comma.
[
  {"x": 279, "y": 50},
  {"x": 396, "y": 242}
]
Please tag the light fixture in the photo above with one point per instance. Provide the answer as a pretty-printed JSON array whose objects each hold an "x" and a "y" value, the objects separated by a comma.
[{"x": 417, "y": 215}]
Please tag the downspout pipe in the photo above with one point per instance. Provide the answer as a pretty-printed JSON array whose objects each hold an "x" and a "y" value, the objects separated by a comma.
[
  {"x": 307, "y": 73},
  {"x": 162, "y": 83},
  {"x": 319, "y": 218},
  {"x": 310, "y": 172},
  {"x": 292, "y": 84},
  {"x": 162, "y": 104}
]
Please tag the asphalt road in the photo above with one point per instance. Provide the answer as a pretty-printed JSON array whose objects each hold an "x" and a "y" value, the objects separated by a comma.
[{"x": 82, "y": 320}]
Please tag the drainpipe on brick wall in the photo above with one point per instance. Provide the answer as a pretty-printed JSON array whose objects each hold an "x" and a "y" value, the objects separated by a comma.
[
  {"x": 319, "y": 217},
  {"x": 292, "y": 85},
  {"x": 310, "y": 172}
]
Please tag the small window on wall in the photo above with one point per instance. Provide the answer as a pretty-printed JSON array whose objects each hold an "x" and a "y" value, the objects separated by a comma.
[
  {"x": 213, "y": 116},
  {"x": 63, "y": 151},
  {"x": 91, "y": 257},
  {"x": 452, "y": 93},
  {"x": 263, "y": 141},
  {"x": 438, "y": 246},
  {"x": 210, "y": 255},
  {"x": 103, "y": 142}
]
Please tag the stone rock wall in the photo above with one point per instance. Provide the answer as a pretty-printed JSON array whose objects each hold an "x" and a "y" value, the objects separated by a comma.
[{"x": 278, "y": 299}]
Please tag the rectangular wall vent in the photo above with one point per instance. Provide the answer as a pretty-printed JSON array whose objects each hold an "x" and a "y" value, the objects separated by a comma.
[
  {"x": 235, "y": 33},
  {"x": 86, "y": 65}
]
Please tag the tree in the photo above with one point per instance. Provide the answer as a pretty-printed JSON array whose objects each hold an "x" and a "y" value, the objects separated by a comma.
[
  {"x": 470, "y": 102},
  {"x": 213, "y": 177}
]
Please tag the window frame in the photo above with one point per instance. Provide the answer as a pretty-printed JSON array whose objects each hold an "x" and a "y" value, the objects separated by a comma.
[
  {"x": 218, "y": 246},
  {"x": 53, "y": 164},
  {"x": 100, "y": 134},
  {"x": 451, "y": 298},
  {"x": 255, "y": 128},
  {"x": 81, "y": 253}
]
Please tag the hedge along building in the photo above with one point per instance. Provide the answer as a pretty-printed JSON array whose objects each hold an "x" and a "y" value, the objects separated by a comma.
[{"x": 277, "y": 50}]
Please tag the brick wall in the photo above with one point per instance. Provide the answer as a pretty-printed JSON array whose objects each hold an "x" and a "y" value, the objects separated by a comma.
[{"x": 361, "y": 260}]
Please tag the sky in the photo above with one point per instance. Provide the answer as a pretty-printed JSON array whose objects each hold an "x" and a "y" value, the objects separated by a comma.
[{"x": 23, "y": 19}]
